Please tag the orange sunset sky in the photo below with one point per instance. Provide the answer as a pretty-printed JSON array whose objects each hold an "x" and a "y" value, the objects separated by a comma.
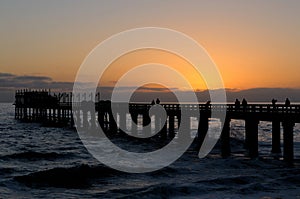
[{"x": 254, "y": 43}]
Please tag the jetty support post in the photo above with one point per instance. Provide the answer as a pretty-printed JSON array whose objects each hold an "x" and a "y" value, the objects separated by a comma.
[
  {"x": 134, "y": 123},
  {"x": 276, "y": 149},
  {"x": 202, "y": 128},
  {"x": 288, "y": 140},
  {"x": 171, "y": 126},
  {"x": 252, "y": 136},
  {"x": 225, "y": 138},
  {"x": 146, "y": 124}
]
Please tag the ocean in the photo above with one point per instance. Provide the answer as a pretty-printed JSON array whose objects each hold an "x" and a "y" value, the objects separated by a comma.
[{"x": 47, "y": 162}]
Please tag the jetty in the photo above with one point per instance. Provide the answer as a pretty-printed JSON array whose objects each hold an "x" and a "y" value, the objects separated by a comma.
[{"x": 61, "y": 110}]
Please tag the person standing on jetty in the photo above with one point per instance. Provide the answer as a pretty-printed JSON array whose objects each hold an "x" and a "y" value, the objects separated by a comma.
[
  {"x": 207, "y": 105},
  {"x": 157, "y": 101},
  {"x": 274, "y": 103},
  {"x": 244, "y": 103},
  {"x": 237, "y": 104},
  {"x": 152, "y": 103},
  {"x": 287, "y": 102}
]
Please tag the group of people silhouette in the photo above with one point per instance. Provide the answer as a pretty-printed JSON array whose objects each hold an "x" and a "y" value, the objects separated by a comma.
[
  {"x": 274, "y": 101},
  {"x": 238, "y": 103},
  {"x": 287, "y": 102},
  {"x": 155, "y": 102}
]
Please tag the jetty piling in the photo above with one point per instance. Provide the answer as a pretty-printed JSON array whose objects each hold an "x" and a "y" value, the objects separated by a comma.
[{"x": 56, "y": 110}]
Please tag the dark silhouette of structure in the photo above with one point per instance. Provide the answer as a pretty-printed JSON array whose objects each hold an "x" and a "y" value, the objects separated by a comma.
[{"x": 56, "y": 110}]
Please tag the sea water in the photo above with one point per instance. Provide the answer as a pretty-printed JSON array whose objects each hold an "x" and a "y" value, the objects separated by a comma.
[{"x": 46, "y": 162}]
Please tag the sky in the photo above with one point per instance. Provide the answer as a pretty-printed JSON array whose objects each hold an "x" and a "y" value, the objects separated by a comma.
[{"x": 255, "y": 44}]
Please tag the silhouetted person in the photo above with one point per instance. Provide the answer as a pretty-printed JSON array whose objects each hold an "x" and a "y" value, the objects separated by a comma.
[
  {"x": 152, "y": 103},
  {"x": 244, "y": 103},
  {"x": 274, "y": 103},
  {"x": 157, "y": 101},
  {"x": 287, "y": 102},
  {"x": 237, "y": 104},
  {"x": 207, "y": 105}
]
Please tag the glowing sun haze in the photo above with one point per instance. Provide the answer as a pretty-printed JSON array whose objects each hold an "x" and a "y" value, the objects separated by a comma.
[
  {"x": 254, "y": 43},
  {"x": 154, "y": 58}
]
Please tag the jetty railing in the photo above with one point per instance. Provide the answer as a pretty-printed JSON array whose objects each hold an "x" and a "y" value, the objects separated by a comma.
[{"x": 58, "y": 110}]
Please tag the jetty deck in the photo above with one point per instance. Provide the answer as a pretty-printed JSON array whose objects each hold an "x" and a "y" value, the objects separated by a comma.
[{"x": 61, "y": 110}]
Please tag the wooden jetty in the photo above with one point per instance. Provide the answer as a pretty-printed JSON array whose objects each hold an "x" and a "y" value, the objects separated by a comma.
[{"x": 56, "y": 109}]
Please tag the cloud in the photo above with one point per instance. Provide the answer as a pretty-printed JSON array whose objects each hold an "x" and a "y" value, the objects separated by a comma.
[
  {"x": 140, "y": 89},
  {"x": 8, "y": 80},
  {"x": 5, "y": 75},
  {"x": 9, "y": 83},
  {"x": 157, "y": 89},
  {"x": 266, "y": 94},
  {"x": 32, "y": 78}
]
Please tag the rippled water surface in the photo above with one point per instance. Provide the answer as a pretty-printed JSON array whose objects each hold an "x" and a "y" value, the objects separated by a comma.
[{"x": 45, "y": 162}]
